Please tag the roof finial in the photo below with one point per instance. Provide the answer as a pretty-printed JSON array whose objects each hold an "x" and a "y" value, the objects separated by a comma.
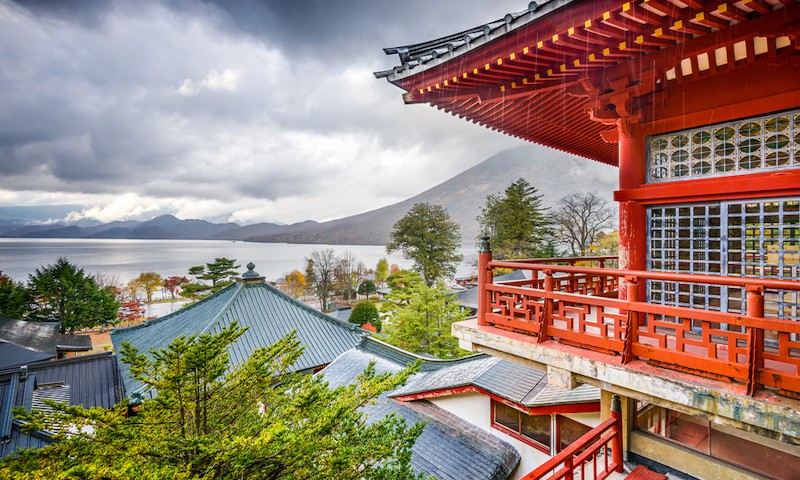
[{"x": 251, "y": 276}]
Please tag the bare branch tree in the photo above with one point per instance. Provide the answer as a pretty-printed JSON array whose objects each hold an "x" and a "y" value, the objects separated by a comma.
[
  {"x": 322, "y": 265},
  {"x": 580, "y": 219},
  {"x": 348, "y": 272}
]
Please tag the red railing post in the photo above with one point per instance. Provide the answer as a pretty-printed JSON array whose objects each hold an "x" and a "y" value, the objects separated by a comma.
[
  {"x": 568, "y": 475},
  {"x": 616, "y": 452},
  {"x": 632, "y": 322},
  {"x": 755, "y": 337},
  {"x": 485, "y": 277},
  {"x": 547, "y": 307}
]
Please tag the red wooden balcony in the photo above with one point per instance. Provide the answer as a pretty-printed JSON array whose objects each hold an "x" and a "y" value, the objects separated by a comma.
[
  {"x": 579, "y": 306},
  {"x": 594, "y": 456}
]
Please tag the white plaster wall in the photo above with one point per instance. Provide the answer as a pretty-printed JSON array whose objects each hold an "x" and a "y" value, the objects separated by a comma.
[
  {"x": 589, "y": 419},
  {"x": 476, "y": 409}
]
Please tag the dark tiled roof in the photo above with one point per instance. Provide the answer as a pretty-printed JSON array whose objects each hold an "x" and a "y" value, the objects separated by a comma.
[
  {"x": 90, "y": 381},
  {"x": 449, "y": 447},
  {"x": 419, "y": 56},
  {"x": 520, "y": 384},
  {"x": 12, "y": 355},
  {"x": 42, "y": 337},
  {"x": 270, "y": 314}
]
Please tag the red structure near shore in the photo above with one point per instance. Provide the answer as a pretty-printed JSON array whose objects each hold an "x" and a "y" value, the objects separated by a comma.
[{"x": 698, "y": 104}]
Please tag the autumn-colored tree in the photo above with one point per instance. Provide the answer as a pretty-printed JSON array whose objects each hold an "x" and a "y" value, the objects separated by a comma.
[
  {"x": 151, "y": 282},
  {"x": 128, "y": 312},
  {"x": 173, "y": 284},
  {"x": 132, "y": 289},
  {"x": 381, "y": 271},
  {"x": 295, "y": 283},
  {"x": 394, "y": 269}
]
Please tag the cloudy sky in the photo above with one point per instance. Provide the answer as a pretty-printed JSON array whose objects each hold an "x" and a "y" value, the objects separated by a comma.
[{"x": 245, "y": 111}]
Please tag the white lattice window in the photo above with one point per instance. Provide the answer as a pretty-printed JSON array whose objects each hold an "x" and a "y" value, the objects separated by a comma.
[
  {"x": 771, "y": 142},
  {"x": 737, "y": 238}
]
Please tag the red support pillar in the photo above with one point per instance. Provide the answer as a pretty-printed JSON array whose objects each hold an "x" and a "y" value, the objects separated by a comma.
[
  {"x": 485, "y": 277},
  {"x": 755, "y": 337},
  {"x": 632, "y": 215},
  {"x": 616, "y": 452}
]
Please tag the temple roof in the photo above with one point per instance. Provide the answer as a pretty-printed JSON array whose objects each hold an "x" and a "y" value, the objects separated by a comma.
[
  {"x": 449, "y": 447},
  {"x": 270, "y": 314},
  {"x": 578, "y": 75},
  {"x": 42, "y": 337},
  {"x": 90, "y": 381},
  {"x": 417, "y": 56}
]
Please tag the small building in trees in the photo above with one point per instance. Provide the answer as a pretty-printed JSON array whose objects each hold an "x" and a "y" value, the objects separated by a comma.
[
  {"x": 252, "y": 302},
  {"x": 26, "y": 341},
  {"x": 90, "y": 381},
  {"x": 698, "y": 105},
  {"x": 479, "y": 410}
]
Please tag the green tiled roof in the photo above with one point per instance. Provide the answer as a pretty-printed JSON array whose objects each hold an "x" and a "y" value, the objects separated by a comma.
[{"x": 270, "y": 314}]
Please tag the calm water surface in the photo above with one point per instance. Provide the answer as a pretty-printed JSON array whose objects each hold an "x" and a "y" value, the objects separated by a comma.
[{"x": 128, "y": 258}]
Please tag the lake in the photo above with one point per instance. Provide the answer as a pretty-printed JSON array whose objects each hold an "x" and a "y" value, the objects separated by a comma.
[{"x": 128, "y": 258}]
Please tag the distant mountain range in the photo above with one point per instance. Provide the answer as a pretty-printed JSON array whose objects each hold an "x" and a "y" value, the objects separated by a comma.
[{"x": 555, "y": 176}]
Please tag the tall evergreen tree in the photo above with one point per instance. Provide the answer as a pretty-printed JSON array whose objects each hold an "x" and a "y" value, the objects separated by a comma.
[
  {"x": 422, "y": 325},
  {"x": 428, "y": 236},
  {"x": 516, "y": 223},
  {"x": 63, "y": 293},
  {"x": 211, "y": 421}
]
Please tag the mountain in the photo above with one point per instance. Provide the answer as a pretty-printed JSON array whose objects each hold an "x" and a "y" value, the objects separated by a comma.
[{"x": 464, "y": 195}]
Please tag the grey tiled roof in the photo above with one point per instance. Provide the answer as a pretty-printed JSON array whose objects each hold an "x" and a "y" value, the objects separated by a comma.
[
  {"x": 449, "y": 447},
  {"x": 42, "y": 337},
  {"x": 12, "y": 355},
  {"x": 520, "y": 384},
  {"x": 90, "y": 381},
  {"x": 421, "y": 56},
  {"x": 270, "y": 314}
]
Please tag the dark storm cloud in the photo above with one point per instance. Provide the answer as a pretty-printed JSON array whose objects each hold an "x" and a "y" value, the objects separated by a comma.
[
  {"x": 87, "y": 13},
  {"x": 227, "y": 102}
]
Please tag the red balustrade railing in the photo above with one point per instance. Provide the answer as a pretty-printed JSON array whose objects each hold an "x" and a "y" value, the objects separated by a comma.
[
  {"x": 594, "y": 456},
  {"x": 579, "y": 306}
]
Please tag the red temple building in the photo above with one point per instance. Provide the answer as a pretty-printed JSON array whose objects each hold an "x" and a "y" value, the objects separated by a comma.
[{"x": 697, "y": 333}]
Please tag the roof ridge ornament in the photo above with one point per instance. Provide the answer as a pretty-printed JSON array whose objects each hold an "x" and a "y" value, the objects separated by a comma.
[{"x": 251, "y": 276}]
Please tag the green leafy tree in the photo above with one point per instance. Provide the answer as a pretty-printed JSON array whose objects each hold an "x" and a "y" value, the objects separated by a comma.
[
  {"x": 400, "y": 283},
  {"x": 214, "y": 421},
  {"x": 63, "y": 293},
  {"x": 516, "y": 223},
  {"x": 220, "y": 272},
  {"x": 367, "y": 287},
  {"x": 428, "y": 236},
  {"x": 151, "y": 282},
  {"x": 423, "y": 324},
  {"x": 381, "y": 271},
  {"x": 15, "y": 298},
  {"x": 366, "y": 312}
]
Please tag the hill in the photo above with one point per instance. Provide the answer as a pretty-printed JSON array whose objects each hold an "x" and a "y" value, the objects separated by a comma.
[{"x": 464, "y": 195}]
